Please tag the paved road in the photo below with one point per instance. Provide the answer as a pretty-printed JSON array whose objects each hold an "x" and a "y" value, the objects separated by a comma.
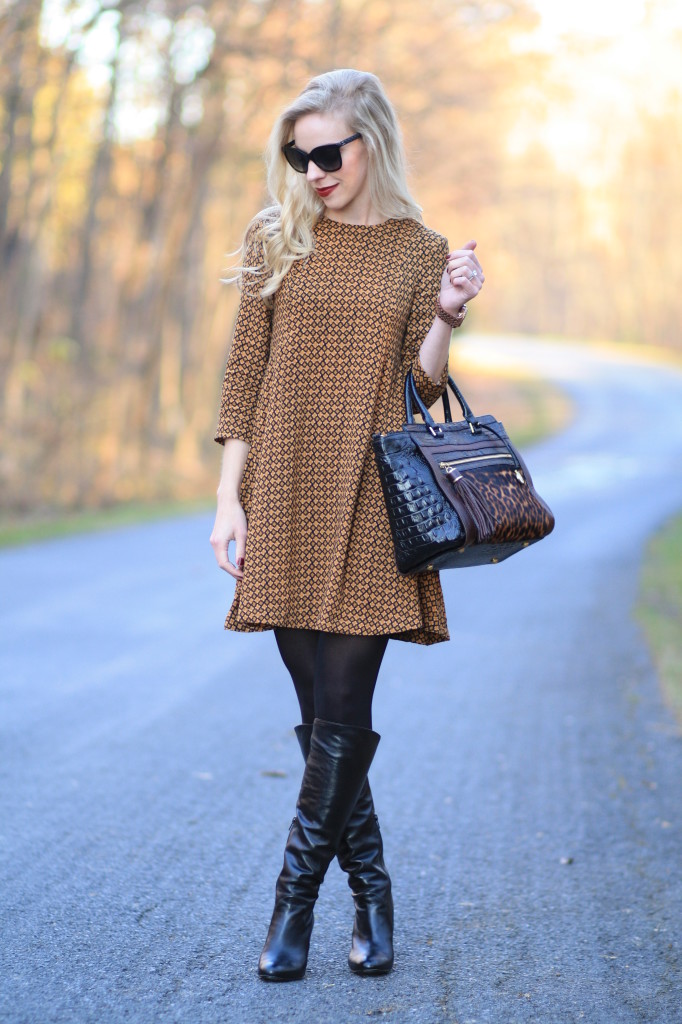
[{"x": 528, "y": 778}]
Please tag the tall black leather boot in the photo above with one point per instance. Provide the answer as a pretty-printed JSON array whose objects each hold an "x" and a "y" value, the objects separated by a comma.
[
  {"x": 361, "y": 856},
  {"x": 336, "y": 767}
]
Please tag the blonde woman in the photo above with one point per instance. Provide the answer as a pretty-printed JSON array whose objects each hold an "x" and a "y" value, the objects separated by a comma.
[{"x": 343, "y": 291}]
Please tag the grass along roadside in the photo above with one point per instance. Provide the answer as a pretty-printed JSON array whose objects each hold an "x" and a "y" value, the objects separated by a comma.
[
  {"x": 659, "y": 609},
  {"x": 530, "y": 410}
]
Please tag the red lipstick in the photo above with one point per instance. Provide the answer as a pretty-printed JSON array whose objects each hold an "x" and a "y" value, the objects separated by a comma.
[{"x": 324, "y": 192}]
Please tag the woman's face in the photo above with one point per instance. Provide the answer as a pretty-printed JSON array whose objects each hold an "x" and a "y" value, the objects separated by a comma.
[{"x": 345, "y": 193}]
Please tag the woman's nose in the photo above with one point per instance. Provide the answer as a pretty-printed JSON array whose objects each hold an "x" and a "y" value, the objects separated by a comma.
[{"x": 314, "y": 173}]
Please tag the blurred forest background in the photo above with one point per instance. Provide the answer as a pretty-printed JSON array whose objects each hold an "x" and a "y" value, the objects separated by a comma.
[{"x": 131, "y": 137}]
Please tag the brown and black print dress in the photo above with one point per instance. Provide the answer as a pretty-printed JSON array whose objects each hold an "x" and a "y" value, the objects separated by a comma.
[{"x": 307, "y": 383}]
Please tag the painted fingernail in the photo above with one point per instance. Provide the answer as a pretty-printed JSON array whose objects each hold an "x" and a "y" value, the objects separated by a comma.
[{"x": 240, "y": 563}]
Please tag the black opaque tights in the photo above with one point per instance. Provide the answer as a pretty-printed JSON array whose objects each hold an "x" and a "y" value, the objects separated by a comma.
[{"x": 334, "y": 673}]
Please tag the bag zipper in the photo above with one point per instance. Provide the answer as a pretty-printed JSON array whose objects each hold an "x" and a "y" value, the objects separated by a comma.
[
  {"x": 481, "y": 458},
  {"x": 472, "y": 458}
]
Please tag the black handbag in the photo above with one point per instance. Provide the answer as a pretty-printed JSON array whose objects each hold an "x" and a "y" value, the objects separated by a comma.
[{"x": 457, "y": 494}]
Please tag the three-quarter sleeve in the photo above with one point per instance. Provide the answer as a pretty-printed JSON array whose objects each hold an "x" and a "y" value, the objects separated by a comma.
[
  {"x": 431, "y": 263},
  {"x": 249, "y": 354}
]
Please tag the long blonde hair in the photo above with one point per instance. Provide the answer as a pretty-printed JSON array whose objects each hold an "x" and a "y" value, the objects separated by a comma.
[{"x": 285, "y": 228}]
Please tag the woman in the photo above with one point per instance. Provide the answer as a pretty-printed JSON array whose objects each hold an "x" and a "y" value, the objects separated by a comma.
[{"x": 343, "y": 291}]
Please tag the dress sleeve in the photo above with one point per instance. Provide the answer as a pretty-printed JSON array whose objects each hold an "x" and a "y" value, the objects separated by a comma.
[
  {"x": 430, "y": 271},
  {"x": 248, "y": 356}
]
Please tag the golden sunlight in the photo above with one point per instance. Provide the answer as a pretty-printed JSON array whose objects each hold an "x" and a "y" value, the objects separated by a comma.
[{"x": 607, "y": 63}]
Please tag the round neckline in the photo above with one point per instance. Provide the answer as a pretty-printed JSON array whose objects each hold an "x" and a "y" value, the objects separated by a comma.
[{"x": 357, "y": 227}]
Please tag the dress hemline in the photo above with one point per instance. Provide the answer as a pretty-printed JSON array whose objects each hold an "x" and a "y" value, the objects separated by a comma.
[{"x": 414, "y": 634}]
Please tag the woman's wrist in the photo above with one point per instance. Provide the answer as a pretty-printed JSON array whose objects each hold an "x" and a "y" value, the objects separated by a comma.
[
  {"x": 227, "y": 493},
  {"x": 452, "y": 319}
]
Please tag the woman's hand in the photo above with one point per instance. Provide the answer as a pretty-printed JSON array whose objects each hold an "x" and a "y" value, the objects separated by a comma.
[
  {"x": 230, "y": 524},
  {"x": 462, "y": 278}
]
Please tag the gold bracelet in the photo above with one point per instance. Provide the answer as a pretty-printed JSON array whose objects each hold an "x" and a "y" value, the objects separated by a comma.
[{"x": 452, "y": 319}]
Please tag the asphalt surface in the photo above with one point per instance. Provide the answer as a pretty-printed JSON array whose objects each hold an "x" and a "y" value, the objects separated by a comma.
[{"x": 528, "y": 779}]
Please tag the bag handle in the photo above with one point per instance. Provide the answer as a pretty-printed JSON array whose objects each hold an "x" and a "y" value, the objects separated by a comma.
[
  {"x": 412, "y": 393},
  {"x": 437, "y": 431}
]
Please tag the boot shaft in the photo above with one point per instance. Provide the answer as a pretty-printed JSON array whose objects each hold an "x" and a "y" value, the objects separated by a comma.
[{"x": 338, "y": 761}]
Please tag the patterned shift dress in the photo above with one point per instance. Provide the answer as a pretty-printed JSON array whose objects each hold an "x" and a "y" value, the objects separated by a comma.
[{"x": 307, "y": 382}]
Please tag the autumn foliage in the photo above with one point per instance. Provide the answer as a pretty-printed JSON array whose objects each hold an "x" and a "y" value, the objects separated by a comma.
[{"x": 130, "y": 160}]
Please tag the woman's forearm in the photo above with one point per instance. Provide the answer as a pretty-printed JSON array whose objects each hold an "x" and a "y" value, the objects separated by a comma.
[
  {"x": 435, "y": 348},
  {"x": 234, "y": 461}
]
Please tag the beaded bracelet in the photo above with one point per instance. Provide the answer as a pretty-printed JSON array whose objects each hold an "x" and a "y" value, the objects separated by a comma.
[{"x": 452, "y": 319}]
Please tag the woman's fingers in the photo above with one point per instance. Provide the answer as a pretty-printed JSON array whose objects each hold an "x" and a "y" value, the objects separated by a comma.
[
  {"x": 466, "y": 252},
  {"x": 233, "y": 570},
  {"x": 220, "y": 542},
  {"x": 222, "y": 557},
  {"x": 463, "y": 275},
  {"x": 230, "y": 524},
  {"x": 464, "y": 266},
  {"x": 464, "y": 261},
  {"x": 239, "y": 549},
  {"x": 467, "y": 271}
]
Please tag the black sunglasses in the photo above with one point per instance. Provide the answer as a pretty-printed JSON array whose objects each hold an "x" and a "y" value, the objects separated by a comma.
[{"x": 327, "y": 158}]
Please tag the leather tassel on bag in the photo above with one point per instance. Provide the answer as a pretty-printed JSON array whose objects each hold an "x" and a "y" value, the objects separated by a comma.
[{"x": 470, "y": 497}]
